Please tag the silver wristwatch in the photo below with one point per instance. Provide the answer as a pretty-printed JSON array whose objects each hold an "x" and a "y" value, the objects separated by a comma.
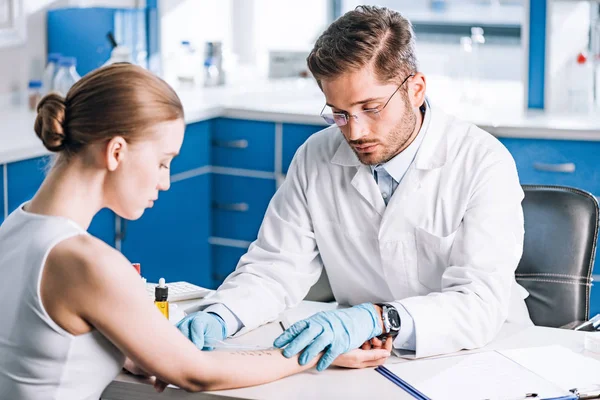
[{"x": 391, "y": 320}]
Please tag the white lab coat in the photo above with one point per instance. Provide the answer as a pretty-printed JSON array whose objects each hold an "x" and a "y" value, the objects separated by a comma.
[{"x": 446, "y": 246}]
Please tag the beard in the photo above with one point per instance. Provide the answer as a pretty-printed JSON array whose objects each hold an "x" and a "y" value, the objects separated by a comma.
[{"x": 391, "y": 144}]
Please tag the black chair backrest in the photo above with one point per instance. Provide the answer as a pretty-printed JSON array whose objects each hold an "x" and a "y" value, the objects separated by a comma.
[{"x": 561, "y": 229}]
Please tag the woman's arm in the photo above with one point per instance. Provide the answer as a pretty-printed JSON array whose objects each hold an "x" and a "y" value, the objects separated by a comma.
[{"x": 106, "y": 292}]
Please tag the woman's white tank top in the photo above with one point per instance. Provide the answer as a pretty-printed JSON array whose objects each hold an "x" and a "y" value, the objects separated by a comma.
[{"x": 38, "y": 359}]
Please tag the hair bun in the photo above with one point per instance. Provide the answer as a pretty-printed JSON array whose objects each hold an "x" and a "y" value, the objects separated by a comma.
[{"x": 49, "y": 124}]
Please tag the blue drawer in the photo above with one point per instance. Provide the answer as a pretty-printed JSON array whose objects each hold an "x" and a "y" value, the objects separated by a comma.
[
  {"x": 195, "y": 151},
  {"x": 23, "y": 180},
  {"x": 225, "y": 259},
  {"x": 243, "y": 144},
  {"x": 294, "y": 136},
  {"x": 557, "y": 162},
  {"x": 239, "y": 204}
]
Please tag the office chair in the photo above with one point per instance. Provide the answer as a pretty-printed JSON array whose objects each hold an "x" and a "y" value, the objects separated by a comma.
[{"x": 561, "y": 230}]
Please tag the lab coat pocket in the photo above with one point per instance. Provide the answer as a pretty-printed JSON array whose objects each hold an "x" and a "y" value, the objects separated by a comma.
[{"x": 433, "y": 255}]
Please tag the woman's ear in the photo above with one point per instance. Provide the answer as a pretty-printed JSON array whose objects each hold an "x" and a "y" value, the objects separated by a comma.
[{"x": 115, "y": 152}]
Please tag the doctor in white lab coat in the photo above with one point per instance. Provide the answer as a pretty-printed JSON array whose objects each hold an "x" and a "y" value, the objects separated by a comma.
[{"x": 415, "y": 215}]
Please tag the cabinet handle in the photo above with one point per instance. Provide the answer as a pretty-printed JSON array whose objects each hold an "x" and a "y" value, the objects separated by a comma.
[
  {"x": 568, "y": 168},
  {"x": 120, "y": 234},
  {"x": 240, "y": 207},
  {"x": 232, "y": 144}
]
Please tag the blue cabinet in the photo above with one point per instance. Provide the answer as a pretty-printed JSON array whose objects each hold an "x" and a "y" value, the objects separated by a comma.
[
  {"x": 225, "y": 259},
  {"x": 171, "y": 239},
  {"x": 103, "y": 226},
  {"x": 23, "y": 178},
  {"x": 239, "y": 204},
  {"x": 243, "y": 144},
  {"x": 294, "y": 136},
  {"x": 557, "y": 162},
  {"x": 81, "y": 32}
]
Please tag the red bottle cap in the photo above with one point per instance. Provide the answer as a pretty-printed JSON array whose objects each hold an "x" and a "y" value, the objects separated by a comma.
[
  {"x": 581, "y": 58},
  {"x": 137, "y": 267}
]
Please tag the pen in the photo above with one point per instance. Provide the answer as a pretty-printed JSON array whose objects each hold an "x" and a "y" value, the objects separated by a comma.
[
  {"x": 587, "y": 393},
  {"x": 526, "y": 396}
]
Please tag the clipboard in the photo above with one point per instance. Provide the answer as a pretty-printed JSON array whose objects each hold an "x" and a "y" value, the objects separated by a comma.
[{"x": 473, "y": 376}]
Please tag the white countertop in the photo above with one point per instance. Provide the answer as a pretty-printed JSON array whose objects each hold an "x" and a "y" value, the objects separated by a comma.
[
  {"x": 334, "y": 383},
  {"x": 499, "y": 110}
]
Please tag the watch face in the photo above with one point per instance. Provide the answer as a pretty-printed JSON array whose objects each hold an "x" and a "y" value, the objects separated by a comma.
[{"x": 394, "y": 318}]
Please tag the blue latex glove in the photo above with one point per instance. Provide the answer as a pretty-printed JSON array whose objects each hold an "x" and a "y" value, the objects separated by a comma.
[
  {"x": 202, "y": 328},
  {"x": 335, "y": 331}
]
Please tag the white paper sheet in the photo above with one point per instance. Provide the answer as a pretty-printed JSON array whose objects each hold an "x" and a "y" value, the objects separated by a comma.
[
  {"x": 559, "y": 365},
  {"x": 486, "y": 375}
]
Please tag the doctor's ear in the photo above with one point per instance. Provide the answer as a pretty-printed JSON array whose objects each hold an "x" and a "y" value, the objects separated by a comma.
[
  {"x": 115, "y": 152},
  {"x": 416, "y": 90}
]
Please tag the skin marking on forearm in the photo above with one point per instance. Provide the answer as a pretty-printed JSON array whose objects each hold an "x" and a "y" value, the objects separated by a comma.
[{"x": 258, "y": 353}]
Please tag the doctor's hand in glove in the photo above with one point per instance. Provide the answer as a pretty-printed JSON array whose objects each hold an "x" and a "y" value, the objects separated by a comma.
[
  {"x": 332, "y": 332},
  {"x": 203, "y": 329}
]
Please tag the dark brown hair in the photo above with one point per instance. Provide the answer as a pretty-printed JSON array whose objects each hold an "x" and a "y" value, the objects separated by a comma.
[
  {"x": 116, "y": 100},
  {"x": 367, "y": 35}
]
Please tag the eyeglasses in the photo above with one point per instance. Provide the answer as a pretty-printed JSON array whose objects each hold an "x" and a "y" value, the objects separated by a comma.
[{"x": 371, "y": 114}]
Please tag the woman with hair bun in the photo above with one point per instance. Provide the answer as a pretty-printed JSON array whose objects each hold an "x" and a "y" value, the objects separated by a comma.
[{"x": 115, "y": 133}]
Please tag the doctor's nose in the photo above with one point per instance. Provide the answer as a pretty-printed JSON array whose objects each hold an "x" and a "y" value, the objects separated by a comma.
[{"x": 355, "y": 129}]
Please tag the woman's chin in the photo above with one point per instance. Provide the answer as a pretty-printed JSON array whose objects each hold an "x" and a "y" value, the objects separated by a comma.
[{"x": 132, "y": 215}]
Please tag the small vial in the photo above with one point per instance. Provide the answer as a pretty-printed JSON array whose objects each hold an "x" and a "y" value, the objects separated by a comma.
[
  {"x": 161, "y": 294},
  {"x": 137, "y": 267},
  {"x": 34, "y": 94}
]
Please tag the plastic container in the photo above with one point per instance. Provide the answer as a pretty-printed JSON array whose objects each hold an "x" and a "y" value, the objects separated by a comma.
[
  {"x": 580, "y": 87},
  {"x": 188, "y": 70},
  {"x": 214, "y": 74},
  {"x": 66, "y": 76},
  {"x": 34, "y": 94},
  {"x": 50, "y": 72},
  {"x": 477, "y": 41},
  {"x": 120, "y": 54},
  {"x": 466, "y": 69}
]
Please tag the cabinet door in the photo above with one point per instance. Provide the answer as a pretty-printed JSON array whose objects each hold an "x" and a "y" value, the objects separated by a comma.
[
  {"x": 171, "y": 239},
  {"x": 294, "y": 136}
]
